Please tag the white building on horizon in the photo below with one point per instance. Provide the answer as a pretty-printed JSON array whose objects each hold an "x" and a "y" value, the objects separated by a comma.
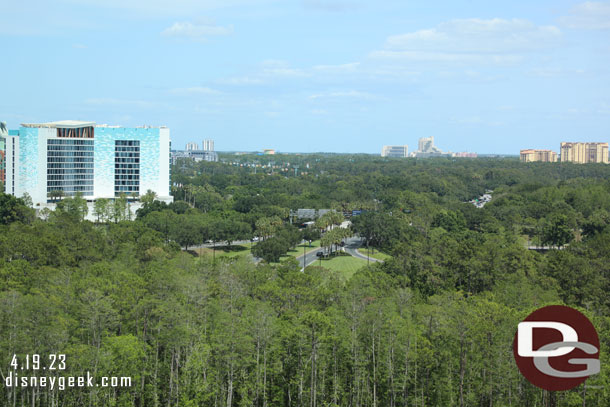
[
  {"x": 208, "y": 145},
  {"x": 192, "y": 146},
  {"x": 426, "y": 148},
  {"x": 395, "y": 151}
]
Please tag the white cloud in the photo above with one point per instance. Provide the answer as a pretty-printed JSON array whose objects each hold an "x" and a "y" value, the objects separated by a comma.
[
  {"x": 604, "y": 108},
  {"x": 196, "y": 90},
  {"x": 342, "y": 68},
  {"x": 241, "y": 80},
  {"x": 142, "y": 104},
  {"x": 196, "y": 31},
  {"x": 590, "y": 15},
  {"x": 471, "y": 40},
  {"x": 343, "y": 94},
  {"x": 475, "y": 121},
  {"x": 554, "y": 72},
  {"x": 424, "y": 56},
  {"x": 281, "y": 68},
  {"x": 143, "y": 8},
  {"x": 331, "y": 5}
]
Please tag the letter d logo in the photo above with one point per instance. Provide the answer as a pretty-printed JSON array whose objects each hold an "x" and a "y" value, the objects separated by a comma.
[{"x": 556, "y": 348}]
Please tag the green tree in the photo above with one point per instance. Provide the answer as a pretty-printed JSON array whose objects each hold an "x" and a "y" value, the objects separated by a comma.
[
  {"x": 556, "y": 231},
  {"x": 13, "y": 209},
  {"x": 73, "y": 207},
  {"x": 101, "y": 210}
]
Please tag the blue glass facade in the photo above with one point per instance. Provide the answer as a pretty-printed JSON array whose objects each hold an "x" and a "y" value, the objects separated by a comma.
[
  {"x": 126, "y": 167},
  {"x": 70, "y": 166}
]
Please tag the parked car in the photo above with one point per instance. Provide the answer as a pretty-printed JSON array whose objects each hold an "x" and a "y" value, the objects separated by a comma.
[{"x": 320, "y": 254}]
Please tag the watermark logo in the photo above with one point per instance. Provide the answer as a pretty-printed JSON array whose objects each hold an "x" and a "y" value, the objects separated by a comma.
[{"x": 556, "y": 348}]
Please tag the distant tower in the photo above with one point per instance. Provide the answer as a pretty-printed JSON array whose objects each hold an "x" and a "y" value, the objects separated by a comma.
[
  {"x": 192, "y": 146},
  {"x": 426, "y": 144},
  {"x": 208, "y": 145}
]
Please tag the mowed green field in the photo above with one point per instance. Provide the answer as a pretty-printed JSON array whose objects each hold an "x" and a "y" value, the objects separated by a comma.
[
  {"x": 346, "y": 265},
  {"x": 244, "y": 250},
  {"x": 298, "y": 251}
]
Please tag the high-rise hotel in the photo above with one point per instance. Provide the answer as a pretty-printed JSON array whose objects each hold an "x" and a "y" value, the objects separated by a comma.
[
  {"x": 100, "y": 161},
  {"x": 583, "y": 153},
  {"x": 532, "y": 155}
]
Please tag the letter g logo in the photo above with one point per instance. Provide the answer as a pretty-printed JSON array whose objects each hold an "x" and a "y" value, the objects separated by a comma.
[{"x": 556, "y": 348}]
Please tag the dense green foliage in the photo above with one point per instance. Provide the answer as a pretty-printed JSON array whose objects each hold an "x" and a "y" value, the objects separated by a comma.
[{"x": 432, "y": 326}]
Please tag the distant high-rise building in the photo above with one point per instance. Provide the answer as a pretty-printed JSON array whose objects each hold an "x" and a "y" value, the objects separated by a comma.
[
  {"x": 395, "y": 151},
  {"x": 427, "y": 149},
  {"x": 208, "y": 145},
  {"x": 583, "y": 153},
  {"x": 192, "y": 146},
  {"x": 531, "y": 155},
  {"x": 99, "y": 161},
  {"x": 426, "y": 145},
  {"x": 268, "y": 151}
]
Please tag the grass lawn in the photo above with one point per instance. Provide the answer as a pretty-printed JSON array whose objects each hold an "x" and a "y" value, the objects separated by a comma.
[
  {"x": 225, "y": 251},
  {"x": 346, "y": 265},
  {"x": 298, "y": 251},
  {"x": 376, "y": 254}
]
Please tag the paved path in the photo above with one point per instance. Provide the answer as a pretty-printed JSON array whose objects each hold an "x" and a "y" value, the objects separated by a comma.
[
  {"x": 310, "y": 257},
  {"x": 351, "y": 246}
]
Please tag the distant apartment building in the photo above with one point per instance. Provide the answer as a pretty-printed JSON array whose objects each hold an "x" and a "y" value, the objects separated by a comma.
[
  {"x": 192, "y": 146},
  {"x": 395, "y": 151},
  {"x": 268, "y": 151},
  {"x": 532, "y": 155},
  {"x": 583, "y": 153},
  {"x": 98, "y": 161},
  {"x": 208, "y": 145},
  {"x": 193, "y": 152}
]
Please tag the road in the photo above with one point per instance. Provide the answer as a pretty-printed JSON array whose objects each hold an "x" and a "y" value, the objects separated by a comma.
[
  {"x": 310, "y": 257},
  {"x": 351, "y": 247}
]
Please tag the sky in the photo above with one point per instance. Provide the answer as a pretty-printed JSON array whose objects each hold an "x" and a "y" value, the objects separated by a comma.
[{"x": 344, "y": 76}]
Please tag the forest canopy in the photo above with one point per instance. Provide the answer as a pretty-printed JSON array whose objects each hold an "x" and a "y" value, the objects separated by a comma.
[{"x": 129, "y": 294}]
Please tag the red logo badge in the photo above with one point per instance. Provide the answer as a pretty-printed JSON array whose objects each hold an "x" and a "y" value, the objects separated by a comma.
[{"x": 556, "y": 348}]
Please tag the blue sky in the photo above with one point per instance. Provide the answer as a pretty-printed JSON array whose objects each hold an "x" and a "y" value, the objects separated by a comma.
[{"x": 315, "y": 75}]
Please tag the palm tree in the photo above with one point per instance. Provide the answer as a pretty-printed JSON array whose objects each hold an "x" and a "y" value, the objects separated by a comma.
[
  {"x": 149, "y": 197},
  {"x": 3, "y": 127}
]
